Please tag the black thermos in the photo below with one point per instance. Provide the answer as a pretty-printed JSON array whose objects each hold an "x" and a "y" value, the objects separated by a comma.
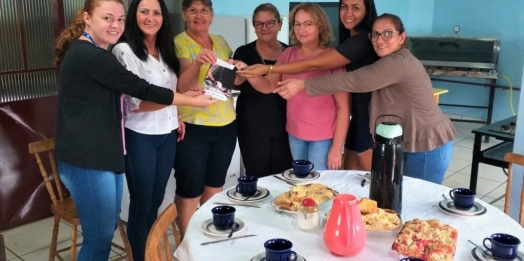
[{"x": 387, "y": 165}]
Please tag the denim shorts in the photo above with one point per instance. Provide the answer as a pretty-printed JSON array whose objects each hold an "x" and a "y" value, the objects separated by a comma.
[{"x": 203, "y": 158}]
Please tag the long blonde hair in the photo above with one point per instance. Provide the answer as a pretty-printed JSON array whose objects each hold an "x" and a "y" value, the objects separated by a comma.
[
  {"x": 76, "y": 28},
  {"x": 319, "y": 17}
]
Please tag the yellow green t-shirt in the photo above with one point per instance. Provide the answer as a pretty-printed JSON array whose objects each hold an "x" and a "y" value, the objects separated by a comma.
[{"x": 220, "y": 113}]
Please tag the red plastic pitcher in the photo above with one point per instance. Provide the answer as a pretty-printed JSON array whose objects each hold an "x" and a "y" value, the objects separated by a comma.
[{"x": 345, "y": 233}]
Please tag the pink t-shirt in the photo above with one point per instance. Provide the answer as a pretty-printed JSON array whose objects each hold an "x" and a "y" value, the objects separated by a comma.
[{"x": 309, "y": 118}]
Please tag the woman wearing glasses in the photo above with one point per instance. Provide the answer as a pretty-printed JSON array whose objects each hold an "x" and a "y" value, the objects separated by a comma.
[
  {"x": 261, "y": 115},
  {"x": 316, "y": 126},
  {"x": 204, "y": 155},
  {"x": 400, "y": 86},
  {"x": 354, "y": 51}
]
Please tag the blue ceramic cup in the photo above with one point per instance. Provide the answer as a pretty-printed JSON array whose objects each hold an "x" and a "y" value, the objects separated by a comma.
[
  {"x": 279, "y": 249},
  {"x": 301, "y": 168},
  {"x": 247, "y": 185},
  {"x": 463, "y": 198},
  {"x": 223, "y": 217},
  {"x": 503, "y": 246}
]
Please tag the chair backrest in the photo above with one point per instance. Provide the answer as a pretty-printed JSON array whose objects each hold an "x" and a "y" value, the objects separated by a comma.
[
  {"x": 513, "y": 158},
  {"x": 157, "y": 245},
  {"x": 48, "y": 146}
]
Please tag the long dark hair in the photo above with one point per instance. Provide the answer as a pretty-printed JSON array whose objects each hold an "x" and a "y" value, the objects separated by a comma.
[
  {"x": 365, "y": 25},
  {"x": 164, "y": 39}
]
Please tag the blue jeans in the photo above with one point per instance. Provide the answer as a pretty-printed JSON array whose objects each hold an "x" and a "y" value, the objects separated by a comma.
[
  {"x": 314, "y": 151},
  {"x": 98, "y": 196},
  {"x": 149, "y": 161},
  {"x": 429, "y": 165}
]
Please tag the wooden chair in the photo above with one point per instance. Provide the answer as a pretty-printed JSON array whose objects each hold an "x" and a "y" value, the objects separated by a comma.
[
  {"x": 513, "y": 158},
  {"x": 157, "y": 246},
  {"x": 63, "y": 207}
]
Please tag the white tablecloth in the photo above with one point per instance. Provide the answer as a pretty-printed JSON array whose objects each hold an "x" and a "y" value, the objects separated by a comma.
[{"x": 420, "y": 199}]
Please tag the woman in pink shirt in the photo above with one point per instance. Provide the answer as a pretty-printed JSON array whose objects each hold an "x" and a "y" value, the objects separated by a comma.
[{"x": 316, "y": 125}]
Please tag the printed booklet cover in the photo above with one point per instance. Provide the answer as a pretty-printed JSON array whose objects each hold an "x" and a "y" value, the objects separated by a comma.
[{"x": 219, "y": 80}]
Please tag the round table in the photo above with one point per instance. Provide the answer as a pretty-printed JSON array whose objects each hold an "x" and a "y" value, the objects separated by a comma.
[{"x": 420, "y": 200}]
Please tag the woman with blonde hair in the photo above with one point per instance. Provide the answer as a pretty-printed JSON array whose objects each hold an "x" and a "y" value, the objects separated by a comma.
[
  {"x": 89, "y": 134},
  {"x": 316, "y": 125}
]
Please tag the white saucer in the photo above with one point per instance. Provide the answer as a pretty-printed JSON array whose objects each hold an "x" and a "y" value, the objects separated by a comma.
[
  {"x": 290, "y": 175},
  {"x": 478, "y": 255},
  {"x": 260, "y": 195},
  {"x": 262, "y": 257},
  {"x": 209, "y": 229},
  {"x": 449, "y": 208}
]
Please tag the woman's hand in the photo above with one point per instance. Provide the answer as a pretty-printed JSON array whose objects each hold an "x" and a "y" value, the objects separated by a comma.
[
  {"x": 254, "y": 70},
  {"x": 195, "y": 91},
  {"x": 334, "y": 159},
  {"x": 240, "y": 65},
  {"x": 181, "y": 129},
  {"x": 206, "y": 57},
  {"x": 203, "y": 100},
  {"x": 289, "y": 88}
]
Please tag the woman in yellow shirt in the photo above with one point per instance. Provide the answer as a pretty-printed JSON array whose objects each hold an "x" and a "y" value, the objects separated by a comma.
[{"x": 204, "y": 155}]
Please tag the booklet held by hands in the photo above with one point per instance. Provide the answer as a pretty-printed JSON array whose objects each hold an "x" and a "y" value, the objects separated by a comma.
[{"x": 219, "y": 80}]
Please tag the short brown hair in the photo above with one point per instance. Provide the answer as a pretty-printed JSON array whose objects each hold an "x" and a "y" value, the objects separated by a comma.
[
  {"x": 319, "y": 17},
  {"x": 394, "y": 19},
  {"x": 268, "y": 7}
]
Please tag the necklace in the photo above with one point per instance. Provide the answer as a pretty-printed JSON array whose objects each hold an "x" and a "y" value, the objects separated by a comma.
[{"x": 260, "y": 56}]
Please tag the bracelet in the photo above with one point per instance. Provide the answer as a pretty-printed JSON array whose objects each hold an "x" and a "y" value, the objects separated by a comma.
[{"x": 270, "y": 70}]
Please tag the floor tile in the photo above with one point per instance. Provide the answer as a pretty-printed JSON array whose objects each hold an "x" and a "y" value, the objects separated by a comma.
[
  {"x": 22, "y": 240},
  {"x": 498, "y": 192},
  {"x": 487, "y": 172},
  {"x": 15, "y": 259},
  {"x": 117, "y": 239},
  {"x": 43, "y": 253},
  {"x": 462, "y": 153},
  {"x": 9, "y": 255},
  {"x": 459, "y": 180},
  {"x": 498, "y": 204},
  {"x": 468, "y": 143},
  {"x": 448, "y": 173},
  {"x": 457, "y": 164}
]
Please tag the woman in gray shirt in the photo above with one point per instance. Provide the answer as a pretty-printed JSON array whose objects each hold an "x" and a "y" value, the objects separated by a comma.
[{"x": 400, "y": 86}]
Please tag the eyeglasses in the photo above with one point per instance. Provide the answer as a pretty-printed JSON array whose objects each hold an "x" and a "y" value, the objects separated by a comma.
[
  {"x": 306, "y": 24},
  {"x": 194, "y": 12},
  {"x": 269, "y": 24},
  {"x": 386, "y": 35}
]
